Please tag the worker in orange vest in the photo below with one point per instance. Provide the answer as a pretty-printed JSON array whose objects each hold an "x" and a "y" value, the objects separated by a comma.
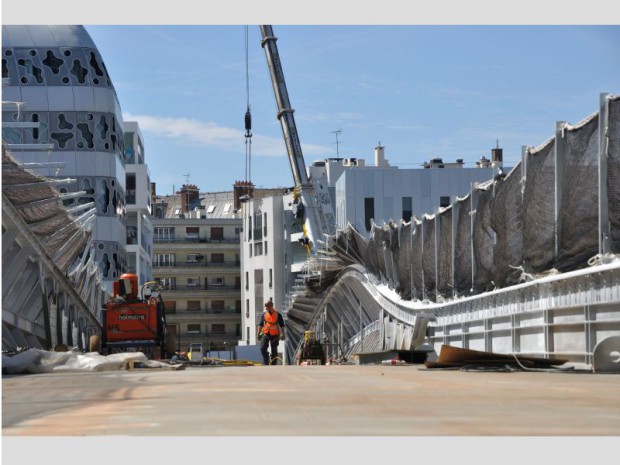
[{"x": 270, "y": 333}]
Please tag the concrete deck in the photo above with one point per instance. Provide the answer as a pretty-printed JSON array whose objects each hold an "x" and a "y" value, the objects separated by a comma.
[{"x": 311, "y": 401}]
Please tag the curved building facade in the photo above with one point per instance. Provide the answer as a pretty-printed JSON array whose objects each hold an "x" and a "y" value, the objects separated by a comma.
[{"x": 60, "y": 111}]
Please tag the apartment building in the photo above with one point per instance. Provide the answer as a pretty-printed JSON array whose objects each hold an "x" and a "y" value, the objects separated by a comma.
[
  {"x": 196, "y": 260},
  {"x": 267, "y": 258}
]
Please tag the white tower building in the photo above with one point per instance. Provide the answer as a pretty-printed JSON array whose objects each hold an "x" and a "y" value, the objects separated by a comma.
[
  {"x": 56, "y": 77},
  {"x": 138, "y": 201}
]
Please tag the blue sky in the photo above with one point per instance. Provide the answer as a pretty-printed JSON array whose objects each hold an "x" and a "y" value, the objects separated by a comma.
[
  {"x": 422, "y": 91},
  {"x": 425, "y": 79}
]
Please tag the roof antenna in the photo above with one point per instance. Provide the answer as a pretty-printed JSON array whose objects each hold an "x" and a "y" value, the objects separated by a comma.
[{"x": 337, "y": 143}]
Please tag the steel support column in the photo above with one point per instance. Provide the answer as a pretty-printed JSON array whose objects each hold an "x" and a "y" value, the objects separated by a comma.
[{"x": 603, "y": 204}]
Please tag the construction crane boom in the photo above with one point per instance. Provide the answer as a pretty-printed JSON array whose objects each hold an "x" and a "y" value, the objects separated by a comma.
[
  {"x": 319, "y": 217},
  {"x": 285, "y": 112}
]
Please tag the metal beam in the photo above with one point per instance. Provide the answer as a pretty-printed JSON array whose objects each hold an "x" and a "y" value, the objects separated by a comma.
[
  {"x": 559, "y": 157},
  {"x": 604, "y": 230}
]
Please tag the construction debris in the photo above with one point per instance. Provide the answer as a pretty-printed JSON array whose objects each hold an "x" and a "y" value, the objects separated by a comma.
[
  {"x": 35, "y": 361},
  {"x": 458, "y": 358}
]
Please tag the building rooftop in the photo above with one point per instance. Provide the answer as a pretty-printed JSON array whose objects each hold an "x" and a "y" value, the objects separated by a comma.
[{"x": 205, "y": 204}]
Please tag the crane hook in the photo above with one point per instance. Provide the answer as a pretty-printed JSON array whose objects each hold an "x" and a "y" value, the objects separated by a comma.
[{"x": 248, "y": 123}]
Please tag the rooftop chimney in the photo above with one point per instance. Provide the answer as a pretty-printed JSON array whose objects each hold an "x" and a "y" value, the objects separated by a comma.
[
  {"x": 240, "y": 189},
  {"x": 380, "y": 156},
  {"x": 497, "y": 155},
  {"x": 189, "y": 193}
]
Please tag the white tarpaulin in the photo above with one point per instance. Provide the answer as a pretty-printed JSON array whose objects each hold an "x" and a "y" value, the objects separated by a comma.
[{"x": 41, "y": 361}]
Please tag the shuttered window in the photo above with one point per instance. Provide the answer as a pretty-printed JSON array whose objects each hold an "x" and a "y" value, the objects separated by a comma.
[{"x": 193, "y": 305}]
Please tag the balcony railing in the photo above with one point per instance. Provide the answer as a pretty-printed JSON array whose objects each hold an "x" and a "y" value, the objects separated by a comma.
[
  {"x": 202, "y": 287},
  {"x": 233, "y": 263},
  {"x": 192, "y": 240},
  {"x": 231, "y": 335},
  {"x": 205, "y": 311}
]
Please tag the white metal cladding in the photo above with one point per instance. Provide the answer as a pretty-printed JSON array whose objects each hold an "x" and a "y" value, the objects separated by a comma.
[
  {"x": 565, "y": 316},
  {"x": 560, "y": 316}
]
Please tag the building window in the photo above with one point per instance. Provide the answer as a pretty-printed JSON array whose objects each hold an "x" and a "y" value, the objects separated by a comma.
[
  {"x": 194, "y": 257},
  {"x": 270, "y": 278},
  {"x": 217, "y": 258},
  {"x": 247, "y": 281},
  {"x": 168, "y": 284},
  {"x": 407, "y": 208},
  {"x": 217, "y": 234},
  {"x": 192, "y": 233},
  {"x": 258, "y": 248},
  {"x": 217, "y": 281},
  {"x": 218, "y": 328},
  {"x": 247, "y": 308},
  {"x": 237, "y": 231},
  {"x": 163, "y": 259},
  {"x": 164, "y": 234},
  {"x": 130, "y": 189},
  {"x": 193, "y": 305},
  {"x": 369, "y": 211},
  {"x": 170, "y": 306},
  {"x": 193, "y": 281},
  {"x": 249, "y": 227},
  {"x": 247, "y": 335},
  {"x": 265, "y": 243},
  {"x": 258, "y": 226},
  {"x": 250, "y": 245},
  {"x": 265, "y": 224},
  {"x": 193, "y": 328},
  {"x": 218, "y": 305},
  {"x": 444, "y": 201},
  {"x": 129, "y": 147}
]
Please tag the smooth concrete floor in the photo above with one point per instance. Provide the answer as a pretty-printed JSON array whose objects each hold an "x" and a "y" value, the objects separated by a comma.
[{"x": 345, "y": 400}]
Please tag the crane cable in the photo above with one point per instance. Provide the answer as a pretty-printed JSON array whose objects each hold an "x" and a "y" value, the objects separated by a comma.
[{"x": 248, "y": 116}]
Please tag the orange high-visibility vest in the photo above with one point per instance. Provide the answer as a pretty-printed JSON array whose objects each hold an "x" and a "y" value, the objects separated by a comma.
[{"x": 271, "y": 324}]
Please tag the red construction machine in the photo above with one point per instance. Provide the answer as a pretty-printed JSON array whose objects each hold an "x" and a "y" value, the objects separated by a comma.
[{"x": 133, "y": 320}]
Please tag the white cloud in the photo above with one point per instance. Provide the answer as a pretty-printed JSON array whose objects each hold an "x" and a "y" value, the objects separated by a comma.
[{"x": 211, "y": 135}]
